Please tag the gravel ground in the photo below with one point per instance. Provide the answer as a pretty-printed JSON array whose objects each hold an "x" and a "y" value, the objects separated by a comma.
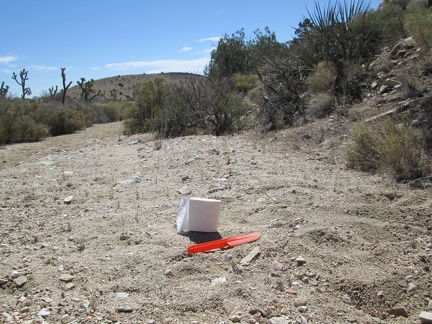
[{"x": 337, "y": 245}]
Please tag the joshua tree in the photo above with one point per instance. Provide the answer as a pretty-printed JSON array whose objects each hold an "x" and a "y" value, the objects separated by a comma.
[
  {"x": 4, "y": 90},
  {"x": 53, "y": 91},
  {"x": 87, "y": 89},
  {"x": 24, "y": 78},
  {"x": 65, "y": 87}
]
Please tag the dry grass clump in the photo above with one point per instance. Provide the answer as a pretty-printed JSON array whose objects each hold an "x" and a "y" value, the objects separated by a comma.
[{"x": 392, "y": 146}]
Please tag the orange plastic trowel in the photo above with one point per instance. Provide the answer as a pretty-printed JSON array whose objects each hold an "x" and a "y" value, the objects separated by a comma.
[{"x": 223, "y": 243}]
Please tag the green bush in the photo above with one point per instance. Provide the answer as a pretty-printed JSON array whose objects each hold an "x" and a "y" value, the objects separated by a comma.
[
  {"x": 245, "y": 82},
  {"x": 419, "y": 25},
  {"x": 392, "y": 147}
]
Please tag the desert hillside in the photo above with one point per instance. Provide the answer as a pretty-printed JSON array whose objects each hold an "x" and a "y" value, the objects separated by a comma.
[{"x": 120, "y": 87}]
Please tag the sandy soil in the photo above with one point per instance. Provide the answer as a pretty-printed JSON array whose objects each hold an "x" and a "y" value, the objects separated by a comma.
[{"x": 113, "y": 254}]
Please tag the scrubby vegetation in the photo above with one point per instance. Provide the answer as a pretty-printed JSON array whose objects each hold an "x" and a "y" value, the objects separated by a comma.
[{"x": 263, "y": 83}]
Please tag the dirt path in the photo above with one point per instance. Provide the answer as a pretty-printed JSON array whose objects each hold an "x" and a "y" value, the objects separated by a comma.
[{"x": 113, "y": 254}]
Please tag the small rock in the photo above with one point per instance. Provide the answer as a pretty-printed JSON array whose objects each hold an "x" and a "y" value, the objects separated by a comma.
[
  {"x": 430, "y": 304},
  {"x": 122, "y": 295},
  {"x": 14, "y": 274},
  {"x": 300, "y": 302},
  {"x": 168, "y": 273},
  {"x": 68, "y": 200},
  {"x": 47, "y": 299},
  {"x": 7, "y": 317},
  {"x": 302, "y": 309},
  {"x": 278, "y": 320},
  {"x": 185, "y": 191},
  {"x": 411, "y": 287},
  {"x": 65, "y": 277},
  {"x": 251, "y": 255},
  {"x": 425, "y": 317},
  {"x": 25, "y": 310},
  {"x": 300, "y": 261},
  {"x": 125, "y": 309},
  {"x": 70, "y": 286},
  {"x": 20, "y": 281},
  {"x": 218, "y": 281},
  {"x": 124, "y": 237},
  {"x": 3, "y": 281},
  {"x": 236, "y": 318},
  {"x": 398, "y": 310},
  {"x": 291, "y": 291},
  {"x": 44, "y": 313},
  {"x": 277, "y": 266}
]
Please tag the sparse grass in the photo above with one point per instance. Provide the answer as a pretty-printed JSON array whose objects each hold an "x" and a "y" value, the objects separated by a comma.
[{"x": 394, "y": 147}]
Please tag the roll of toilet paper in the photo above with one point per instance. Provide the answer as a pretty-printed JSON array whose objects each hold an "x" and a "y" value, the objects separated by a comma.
[{"x": 204, "y": 214}]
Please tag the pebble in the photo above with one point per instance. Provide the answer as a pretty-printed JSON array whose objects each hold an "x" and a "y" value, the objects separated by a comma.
[
  {"x": 278, "y": 320},
  {"x": 122, "y": 295},
  {"x": 65, "y": 277},
  {"x": 218, "y": 281},
  {"x": 14, "y": 274},
  {"x": 398, "y": 310},
  {"x": 44, "y": 313},
  {"x": 291, "y": 291},
  {"x": 68, "y": 200},
  {"x": 303, "y": 309},
  {"x": 70, "y": 286},
  {"x": 411, "y": 287},
  {"x": 20, "y": 281},
  {"x": 251, "y": 255},
  {"x": 125, "y": 309},
  {"x": 236, "y": 318},
  {"x": 300, "y": 261},
  {"x": 300, "y": 302}
]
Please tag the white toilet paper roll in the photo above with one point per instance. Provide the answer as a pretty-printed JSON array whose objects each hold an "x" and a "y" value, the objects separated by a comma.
[{"x": 204, "y": 214}]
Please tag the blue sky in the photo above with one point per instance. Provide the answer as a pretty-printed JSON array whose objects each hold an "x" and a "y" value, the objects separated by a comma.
[{"x": 95, "y": 39}]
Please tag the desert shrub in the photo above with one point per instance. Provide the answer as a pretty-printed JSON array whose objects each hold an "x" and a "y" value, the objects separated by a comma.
[
  {"x": 227, "y": 111},
  {"x": 204, "y": 106},
  {"x": 111, "y": 111},
  {"x": 21, "y": 121},
  {"x": 394, "y": 147},
  {"x": 419, "y": 25},
  {"x": 63, "y": 121},
  {"x": 283, "y": 80},
  {"x": 150, "y": 97},
  {"x": 322, "y": 77}
]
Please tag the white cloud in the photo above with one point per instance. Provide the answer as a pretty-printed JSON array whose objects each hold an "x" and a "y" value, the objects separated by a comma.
[
  {"x": 210, "y": 39},
  {"x": 158, "y": 66},
  {"x": 186, "y": 49},
  {"x": 42, "y": 68},
  {"x": 7, "y": 59}
]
